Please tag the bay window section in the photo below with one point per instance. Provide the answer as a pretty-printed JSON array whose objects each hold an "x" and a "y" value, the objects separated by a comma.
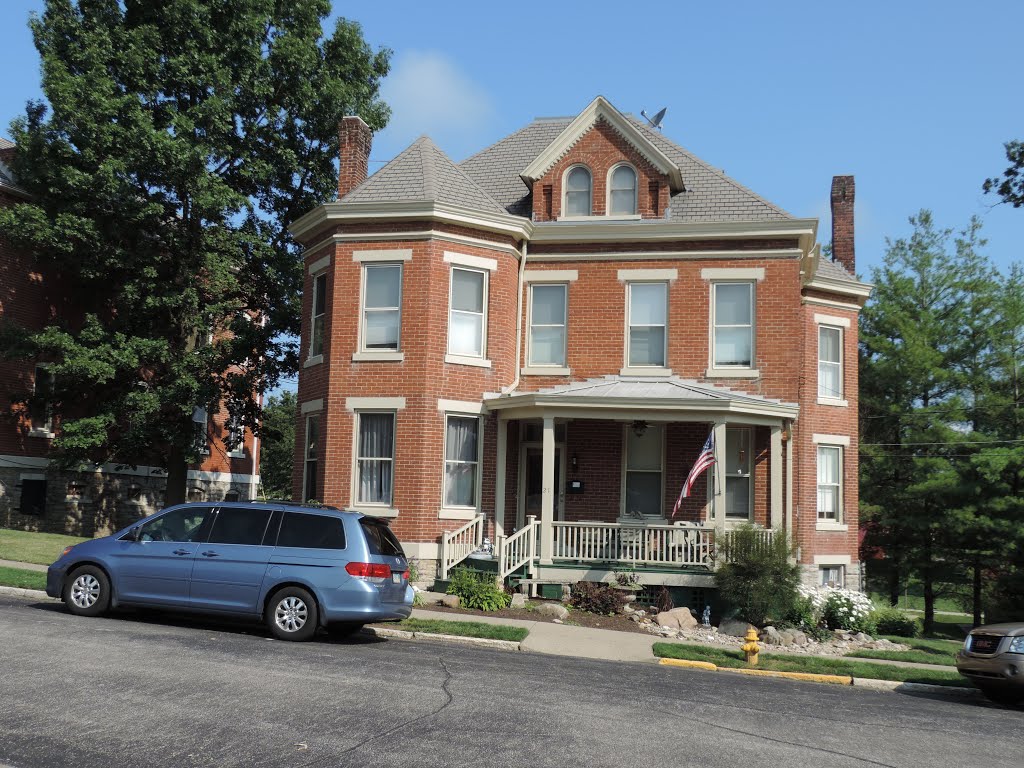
[
  {"x": 648, "y": 319},
  {"x": 382, "y": 307},
  {"x": 311, "y": 458},
  {"x": 830, "y": 362},
  {"x": 644, "y": 465},
  {"x": 316, "y": 345},
  {"x": 461, "y": 461},
  {"x": 830, "y": 474},
  {"x": 737, "y": 473},
  {"x": 467, "y": 317},
  {"x": 733, "y": 320},
  {"x": 548, "y": 307},
  {"x": 375, "y": 454}
]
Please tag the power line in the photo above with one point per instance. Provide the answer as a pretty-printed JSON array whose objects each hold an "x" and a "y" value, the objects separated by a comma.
[{"x": 949, "y": 442}]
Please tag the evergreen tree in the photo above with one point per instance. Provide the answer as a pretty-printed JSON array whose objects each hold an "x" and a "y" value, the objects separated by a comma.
[
  {"x": 277, "y": 451},
  {"x": 179, "y": 141}
]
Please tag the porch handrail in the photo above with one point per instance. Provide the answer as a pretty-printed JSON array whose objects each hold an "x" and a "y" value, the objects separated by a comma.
[
  {"x": 457, "y": 545},
  {"x": 640, "y": 544},
  {"x": 518, "y": 550}
]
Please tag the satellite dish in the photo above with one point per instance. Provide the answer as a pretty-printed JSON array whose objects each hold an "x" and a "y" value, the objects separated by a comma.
[{"x": 655, "y": 121}]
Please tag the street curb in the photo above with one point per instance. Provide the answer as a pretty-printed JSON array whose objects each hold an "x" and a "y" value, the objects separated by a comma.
[
  {"x": 807, "y": 677},
  {"x": 689, "y": 664},
  {"x": 401, "y": 634},
  {"x": 36, "y": 594}
]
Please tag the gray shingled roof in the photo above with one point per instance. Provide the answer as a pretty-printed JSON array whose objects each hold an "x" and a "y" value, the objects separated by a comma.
[
  {"x": 710, "y": 195},
  {"x": 646, "y": 388},
  {"x": 423, "y": 172},
  {"x": 5, "y": 144},
  {"x": 833, "y": 270}
]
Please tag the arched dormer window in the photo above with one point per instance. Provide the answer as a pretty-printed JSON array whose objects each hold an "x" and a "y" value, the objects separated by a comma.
[
  {"x": 622, "y": 191},
  {"x": 578, "y": 192}
]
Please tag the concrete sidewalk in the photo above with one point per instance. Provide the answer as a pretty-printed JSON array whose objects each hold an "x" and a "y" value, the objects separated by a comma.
[{"x": 23, "y": 566}]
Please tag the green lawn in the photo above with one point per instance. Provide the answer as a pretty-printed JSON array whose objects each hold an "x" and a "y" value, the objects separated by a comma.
[
  {"x": 29, "y": 547},
  {"x": 464, "y": 629},
  {"x": 912, "y": 598},
  {"x": 922, "y": 651},
  {"x": 16, "y": 577},
  {"x": 813, "y": 664}
]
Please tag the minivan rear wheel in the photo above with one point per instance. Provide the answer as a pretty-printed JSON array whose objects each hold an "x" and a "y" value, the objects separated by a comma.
[
  {"x": 292, "y": 614},
  {"x": 87, "y": 591}
]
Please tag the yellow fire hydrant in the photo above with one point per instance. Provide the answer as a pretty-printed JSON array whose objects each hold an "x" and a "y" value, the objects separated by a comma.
[{"x": 751, "y": 648}]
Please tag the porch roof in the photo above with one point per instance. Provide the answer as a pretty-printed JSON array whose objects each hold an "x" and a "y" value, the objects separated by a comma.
[{"x": 656, "y": 398}]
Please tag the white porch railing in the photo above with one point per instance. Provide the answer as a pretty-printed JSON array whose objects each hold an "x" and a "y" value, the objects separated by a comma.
[
  {"x": 457, "y": 545},
  {"x": 760, "y": 540},
  {"x": 519, "y": 549},
  {"x": 667, "y": 545}
]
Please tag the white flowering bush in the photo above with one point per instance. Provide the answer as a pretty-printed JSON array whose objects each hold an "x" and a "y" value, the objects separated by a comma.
[{"x": 839, "y": 608}]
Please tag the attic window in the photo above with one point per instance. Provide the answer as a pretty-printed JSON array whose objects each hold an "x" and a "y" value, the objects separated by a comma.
[
  {"x": 622, "y": 191},
  {"x": 578, "y": 189}
]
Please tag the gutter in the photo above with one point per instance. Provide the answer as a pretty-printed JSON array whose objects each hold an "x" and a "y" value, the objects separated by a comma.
[{"x": 519, "y": 321}]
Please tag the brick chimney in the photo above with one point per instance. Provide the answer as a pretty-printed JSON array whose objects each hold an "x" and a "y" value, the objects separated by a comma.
[
  {"x": 355, "y": 139},
  {"x": 842, "y": 222}
]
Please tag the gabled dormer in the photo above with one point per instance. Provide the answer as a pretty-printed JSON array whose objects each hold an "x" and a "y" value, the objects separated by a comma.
[{"x": 601, "y": 166}]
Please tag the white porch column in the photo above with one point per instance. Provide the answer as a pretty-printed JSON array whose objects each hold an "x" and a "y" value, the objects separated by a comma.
[
  {"x": 547, "y": 499},
  {"x": 776, "y": 477},
  {"x": 499, "y": 479},
  {"x": 789, "y": 479},
  {"x": 718, "y": 502}
]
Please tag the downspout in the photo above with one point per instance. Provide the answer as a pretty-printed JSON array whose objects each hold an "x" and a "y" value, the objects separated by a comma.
[{"x": 519, "y": 319}]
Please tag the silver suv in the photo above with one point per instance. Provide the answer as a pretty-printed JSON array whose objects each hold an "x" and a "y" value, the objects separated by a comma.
[{"x": 993, "y": 659}]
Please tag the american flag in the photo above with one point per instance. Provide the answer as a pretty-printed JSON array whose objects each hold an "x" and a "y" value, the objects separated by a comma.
[{"x": 705, "y": 459}]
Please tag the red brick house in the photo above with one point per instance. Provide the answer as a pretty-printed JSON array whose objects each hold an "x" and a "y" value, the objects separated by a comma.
[
  {"x": 535, "y": 344},
  {"x": 34, "y": 494}
]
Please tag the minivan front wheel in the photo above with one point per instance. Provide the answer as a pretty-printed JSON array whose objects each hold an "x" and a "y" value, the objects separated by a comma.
[
  {"x": 87, "y": 591},
  {"x": 292, "y": 614}
]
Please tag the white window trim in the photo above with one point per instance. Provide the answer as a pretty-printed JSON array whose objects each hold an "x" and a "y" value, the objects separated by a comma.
[
  {"x": 749, "y": 476},
  {"x": 732, "y": 274},
  {"x": 832, "y": 560},
  {"x": 473, "y": 262},
  {"x": 319, "y": 265},
  {"x": 463, "y": 359},
  {"x": 648, "y": 275},
  {"x": 565, "y": 192},
  {"x": 47, "y": 430},
  {"x": 305, "y": 450},
  {"x": 645, "y": 370},
  {"x": 383, "y": 255},
  {"x": 311, "y": 406},
  {"x": 369, "y": 508},
  {"x": 374, "y": 403},
  {"x": 551, "y": 275},
  {"x": 454, "y": 512},
  {"x": 542, "y": 369},
  {"x": 733, "y": 371},
  {"x": 382, "y": 356},
  {"x": 843, "y": 440},
  {"x": 238, "y": 452},
  {"x": 624, "y": 517},
  {"x": 841, "y": 329},
  {"x": 608, "y": 191},
  {"x": 829, "y": 524},
  {"x": 361, "y": 353}
]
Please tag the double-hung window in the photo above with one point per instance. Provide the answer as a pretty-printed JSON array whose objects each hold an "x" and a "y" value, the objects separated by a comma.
[
  {"x": 644, "y": 469},
  {"x": 461, "y": 461},
  {"x": 375, "y": 458},
  {"x": 733, "y": 320},
  {"x": 382, "y": 307},
  {"x": 648, "y": 324},
  {"x": 316, "y": 336},
  {"x": 578, "y": 189},
  {"x": 737, "y": 473},
  {"x": 467, "y": 316},
  {"x": 830, "y": 362},
  {"x": 200, "y": 431},
  {"x": 830, "y": 483},
  {"x": 622, "y": 191},
  {"x": 548, "y": 305},
  {"x": 235, "y": 441},
  {"x": 40, "y": 409},
  {"x": 311, "y": 456}
]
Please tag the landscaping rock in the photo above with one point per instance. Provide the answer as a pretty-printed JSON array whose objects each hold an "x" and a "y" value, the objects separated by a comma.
[
  {"x": 770, "y": 636},
  {"x": 860, "y": 637},
  {"x": 518, "y": 600},
  {"x": 451, "y": 601},
  {"x": 733, "y": 627},
  {"x": 793, "y": 637},
  {"x": 552, "y": 609},
  {"x": 677, "y": 618}
]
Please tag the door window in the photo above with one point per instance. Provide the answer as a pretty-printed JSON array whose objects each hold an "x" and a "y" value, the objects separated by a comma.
[
  {"x": 239, "y": 525},
  {"x": 311, "y": 531},
  {"x": 380, "y": 540},
  {"x": 185, "y": 524}
]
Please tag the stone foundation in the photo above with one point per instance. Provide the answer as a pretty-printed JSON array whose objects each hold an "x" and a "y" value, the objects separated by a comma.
[{"x": 809, "y": 576}]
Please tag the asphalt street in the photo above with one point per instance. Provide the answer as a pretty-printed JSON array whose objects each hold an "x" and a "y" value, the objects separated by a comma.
[{"x": 147, "y": 690}]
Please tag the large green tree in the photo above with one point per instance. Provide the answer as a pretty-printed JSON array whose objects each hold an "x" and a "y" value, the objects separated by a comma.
[
  {"x": 1010, "y": 184},
  {"x": 277, "y": 451},
  {"x": 178, "y": 141}
]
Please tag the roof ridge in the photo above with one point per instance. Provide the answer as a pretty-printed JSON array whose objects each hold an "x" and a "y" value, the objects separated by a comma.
[{"x": 429, "y": 180}]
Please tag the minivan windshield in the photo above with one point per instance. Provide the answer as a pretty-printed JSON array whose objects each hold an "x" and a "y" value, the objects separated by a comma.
[{"x": 380, "y": 540}]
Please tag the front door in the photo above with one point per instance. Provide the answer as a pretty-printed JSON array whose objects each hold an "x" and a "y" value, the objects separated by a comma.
[{"x": 531, "y": 494}]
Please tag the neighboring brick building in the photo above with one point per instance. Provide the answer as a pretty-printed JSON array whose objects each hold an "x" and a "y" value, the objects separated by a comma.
[
  {"x": 553, "y": 328},
  {"x": 37, "y": 496}
]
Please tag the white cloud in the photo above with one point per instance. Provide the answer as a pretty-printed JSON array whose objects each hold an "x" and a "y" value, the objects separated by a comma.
[{"x": 428, "y": 93}]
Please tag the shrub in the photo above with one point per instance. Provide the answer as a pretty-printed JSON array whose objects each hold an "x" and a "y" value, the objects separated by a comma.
[
  {"x": 597, "y": 598},
  {"x": 477, "y": 590},
  {"x": 663, "y": 601},
  {"x": 757, "y": 577},
  {"x": 841, "y": 608},
  {"x": 893, "y": 621}
]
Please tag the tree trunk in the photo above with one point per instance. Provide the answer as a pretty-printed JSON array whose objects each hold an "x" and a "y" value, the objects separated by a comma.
[
  {"x": 177, "y": 477},
  {"x": 929, "y": 595},
  {"x": 976, "y": 601},
  {"x": 894, "y": 584}
]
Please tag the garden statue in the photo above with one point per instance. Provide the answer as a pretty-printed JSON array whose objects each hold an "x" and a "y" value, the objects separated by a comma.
[{"x": 706, "y": 616}]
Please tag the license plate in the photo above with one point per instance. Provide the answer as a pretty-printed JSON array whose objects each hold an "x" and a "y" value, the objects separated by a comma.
[{"x": 396, "y": 578}]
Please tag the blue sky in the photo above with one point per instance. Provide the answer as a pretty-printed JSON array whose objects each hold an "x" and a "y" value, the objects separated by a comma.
[{"x": 913, "y": 98}]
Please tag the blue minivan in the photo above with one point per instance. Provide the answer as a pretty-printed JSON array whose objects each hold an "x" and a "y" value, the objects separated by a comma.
[{"x": 297, "y": 568}]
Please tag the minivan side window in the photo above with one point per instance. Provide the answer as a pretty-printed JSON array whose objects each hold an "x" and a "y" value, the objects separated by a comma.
[
  {"x": 380, "y": 540},
  {"x": 185, "y": 524},
  {"x": 311, "y": 531},
  {"x": 239, "y": 525}
]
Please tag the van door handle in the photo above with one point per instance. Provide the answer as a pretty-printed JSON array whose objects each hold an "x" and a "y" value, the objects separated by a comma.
[
  {"x": 182, "y": 552},
  {"x": 210, "y": 554}
]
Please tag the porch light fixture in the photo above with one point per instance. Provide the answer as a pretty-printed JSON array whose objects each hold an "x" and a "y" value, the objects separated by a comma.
[
  {"x": 575, "y": 463},
  {"x": 639, "y": 427}
]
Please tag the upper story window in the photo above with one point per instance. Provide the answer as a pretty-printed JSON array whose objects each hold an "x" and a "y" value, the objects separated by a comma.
[
  {"x": 316, "y": 336},
  {"x": 579, "y": 187},
  {"x": 648, "y": 324},
  {"x": 733, "y": 320},
  {"x": 40, "y": 410},
  {"x": 830, "y": 362},
  {"x": 622, "y": 191},
  {"x": 382, "y": 307},
  {"x": 467, "y": 317},
  {"x": 547, "y": 325}
]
